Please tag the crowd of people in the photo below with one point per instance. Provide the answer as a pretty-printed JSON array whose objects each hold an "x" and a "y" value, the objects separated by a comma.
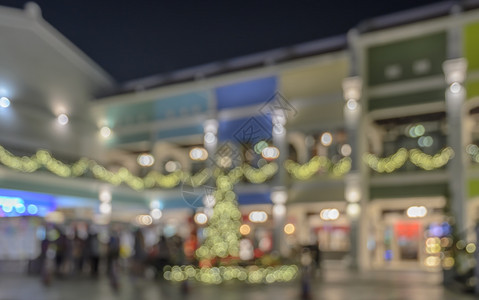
[{"x": 67, "y": 252}]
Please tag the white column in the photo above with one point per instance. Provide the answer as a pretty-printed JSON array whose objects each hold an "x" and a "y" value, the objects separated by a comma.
[
  {"x": 210, "y": 138},
  {"x": 279, "y": 194},
  {"x": 355, "y": 186},
  {"x": 455, "y": 73},
  {"x": 279, "y": 197}
]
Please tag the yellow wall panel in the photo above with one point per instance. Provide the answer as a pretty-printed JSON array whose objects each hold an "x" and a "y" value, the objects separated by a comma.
[{"x": 314, "y": 80}]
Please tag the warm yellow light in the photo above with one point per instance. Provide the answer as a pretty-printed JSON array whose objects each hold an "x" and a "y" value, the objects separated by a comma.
[
  {"x": 432, "y": 261},
  {"x": 198, "y": 153},
  {"x": 448, "y": 262},
  {"x": 461, "y": 244},
  {"x": 433, "y": 245},
  {"x": 289, "y": 228},
  {"x": 245, "y": 229},
  {"x": 144, "y": 220},
  {"x": 470, "y": 248}
]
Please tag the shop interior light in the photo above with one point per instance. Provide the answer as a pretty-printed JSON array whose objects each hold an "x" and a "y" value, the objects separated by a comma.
[
  {"x": 144, "y": 220},
  {"x": 289, "y": 228},
  {"x": 145, "y": 160},
  {"x": 270, "y": 153},
  {"x": 245, "y": 229},
  {"x": 329, "y": 214},
  {"x": 258, "y": 216},
  {"x": 416, "y": 212},
  {"x": 200, "y": 218},
  {"x": 198, "y": 153},
  {"x": 55, "y": 217},
  {"x": 326, "y": 139}
]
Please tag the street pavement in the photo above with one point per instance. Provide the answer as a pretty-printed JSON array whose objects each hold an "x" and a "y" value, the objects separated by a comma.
[{"x": 333, "y": 284}]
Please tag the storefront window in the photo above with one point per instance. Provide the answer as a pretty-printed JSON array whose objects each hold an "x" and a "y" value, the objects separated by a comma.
[{"x": 426, "y": 133}]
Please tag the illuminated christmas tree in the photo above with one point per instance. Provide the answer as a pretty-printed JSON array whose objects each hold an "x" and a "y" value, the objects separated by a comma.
[{"x": 222, "y": 234}]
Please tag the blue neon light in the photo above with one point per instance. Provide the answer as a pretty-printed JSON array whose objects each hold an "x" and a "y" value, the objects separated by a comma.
[{"x": 15, "y": 203}]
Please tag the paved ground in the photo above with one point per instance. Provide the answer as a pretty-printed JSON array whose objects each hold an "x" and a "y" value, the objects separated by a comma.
[{"x": 336, "y": 284}]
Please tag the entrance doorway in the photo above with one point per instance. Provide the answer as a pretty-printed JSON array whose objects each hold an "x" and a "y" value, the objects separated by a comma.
[{"x": 404, "y": 232}]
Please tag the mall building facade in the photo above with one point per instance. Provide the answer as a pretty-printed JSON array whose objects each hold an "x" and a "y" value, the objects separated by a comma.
[{"x": 373, "y": 136}]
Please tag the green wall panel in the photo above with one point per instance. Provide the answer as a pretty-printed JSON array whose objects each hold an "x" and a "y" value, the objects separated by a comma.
[
  {"x": 426, "y": 53},
  {"x": 471, "y": 45},
  {"x": 403, "y": 191},
  {"x": 406, "y": 99},
  {"x": 473, "y": 187},
  {"x": 472, "y": 89},
  {"x": 179, "y": 106},
  {"x": 127, "y": 139}
]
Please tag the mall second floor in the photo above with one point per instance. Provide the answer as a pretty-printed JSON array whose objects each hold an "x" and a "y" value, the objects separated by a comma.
[{"x": 289, "y": 122}]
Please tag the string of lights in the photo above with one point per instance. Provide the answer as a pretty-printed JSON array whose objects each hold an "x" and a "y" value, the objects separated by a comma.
[
  {"x": 222, "y": 234},
  {"x": 217, "y": 275},
  {"x": 431, "y": 162},
  {"x": 43, "y": 159},
  {"x": 416, "y": 156},
  {"x": 317, "y": 164}
]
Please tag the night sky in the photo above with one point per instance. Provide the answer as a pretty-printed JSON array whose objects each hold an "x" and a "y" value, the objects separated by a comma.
[{"x": 138, "y": 38}]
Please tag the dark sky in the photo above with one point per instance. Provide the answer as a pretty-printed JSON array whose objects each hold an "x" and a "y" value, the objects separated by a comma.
[{"x": 136, "y": 38}]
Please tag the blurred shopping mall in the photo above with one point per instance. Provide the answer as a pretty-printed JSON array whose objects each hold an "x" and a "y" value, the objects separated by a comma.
[{"x": 363, "y": 145}]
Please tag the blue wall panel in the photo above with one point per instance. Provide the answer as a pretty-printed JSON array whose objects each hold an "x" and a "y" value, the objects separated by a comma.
[
  {"x": 254, "y": 198},
  {"x": 246, "y": 93},
  {"x": 246, "y": 130}
]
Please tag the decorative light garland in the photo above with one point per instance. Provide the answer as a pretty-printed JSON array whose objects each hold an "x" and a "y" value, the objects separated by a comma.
[
  {"x": 260, "y": 175},
  {"x": 387, "y": 164},
  {"x": 317, "y": 163},
  {"x": 430, "y": 162},
  {"x": 217, "y": 275},
  {"x": 44, "y": 159},
  {"x": 416, "y": 156}
]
